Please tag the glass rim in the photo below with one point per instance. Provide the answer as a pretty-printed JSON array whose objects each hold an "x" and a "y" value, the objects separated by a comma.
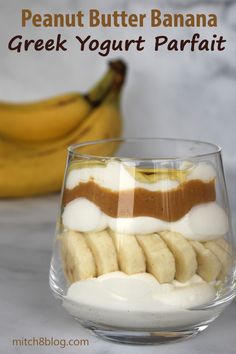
[{"x": 72, "y": 148}]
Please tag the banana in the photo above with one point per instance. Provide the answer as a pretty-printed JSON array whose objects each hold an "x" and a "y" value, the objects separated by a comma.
[
  {"x": 103, "y": 250},
  {"x": 51, "y": 118},
  {"x": 130, "y": 255},
  {"x": 77, "y": 258},
  {"x": 224, "y": 244},
  {"x": 43, "y": 122},
  {"x": 208, "y": 264},
  {"x": 185, "y": 257},
  {"x": 167, "y": 256},
  {"x": 224, "y": 256},
  {"x": 29, "y": 169},
  {"x": 160, "y": 261}
]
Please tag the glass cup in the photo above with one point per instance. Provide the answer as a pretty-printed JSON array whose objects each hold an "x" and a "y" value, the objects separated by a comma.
[{"x": 144, "y": 250}]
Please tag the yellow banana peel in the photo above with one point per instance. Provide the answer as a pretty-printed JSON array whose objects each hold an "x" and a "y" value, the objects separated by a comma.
[{"x": 30, "y": 167}]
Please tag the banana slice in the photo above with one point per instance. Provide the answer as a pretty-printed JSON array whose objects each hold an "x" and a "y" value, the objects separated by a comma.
[
  {"x": 224, "y": 256},
  {"x": 103, "y": 251},
  {"x": 224, "y": 244},
  {"x": 160, "y": 260},
  {"x": 78, "y": 259},
  {"x": 130, "y": 255},
  {"x": 185, "y": 257},
  {"x": 208, "y": 264}
]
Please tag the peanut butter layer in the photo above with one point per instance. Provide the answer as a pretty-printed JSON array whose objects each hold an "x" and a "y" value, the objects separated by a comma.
[{"x": 169, "y": 205}]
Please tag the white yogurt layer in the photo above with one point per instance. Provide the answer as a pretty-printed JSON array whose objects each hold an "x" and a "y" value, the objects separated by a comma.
[
  {"x": 203, "y": 171},
  {"x": 203, "y": 222},
  {"x": 138, "y": 301},
  {"x": 116, "y": 178}
]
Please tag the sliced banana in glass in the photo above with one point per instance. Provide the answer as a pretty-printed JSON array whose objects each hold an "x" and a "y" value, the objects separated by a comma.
[
  {"x": 223, "y": 255},
  {"x": 160, "y": 261},
  {"x": 184, "y": 254},
  {"x": 208, "y": 264},
  {"x": 78, "y": 260},
  {"x": 130, "y": 255},
  {"x": 103, "y": 250}
]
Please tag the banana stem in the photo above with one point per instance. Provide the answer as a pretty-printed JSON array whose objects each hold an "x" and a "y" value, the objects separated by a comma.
[{"x": 112, "y": 81}]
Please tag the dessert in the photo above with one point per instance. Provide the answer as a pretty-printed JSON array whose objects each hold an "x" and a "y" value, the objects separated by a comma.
[{"x": 142, "y": 242}]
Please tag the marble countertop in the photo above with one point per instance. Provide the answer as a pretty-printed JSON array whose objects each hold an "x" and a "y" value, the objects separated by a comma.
[{"x": 28, "y": 308}]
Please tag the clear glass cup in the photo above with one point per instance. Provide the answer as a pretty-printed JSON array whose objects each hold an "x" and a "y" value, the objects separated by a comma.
[{"x": 144, "y": 249}]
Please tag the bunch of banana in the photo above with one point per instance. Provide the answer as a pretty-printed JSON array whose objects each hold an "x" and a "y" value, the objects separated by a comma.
[
  {"x": 34, "y": 136},
  {"x": 167, "y": 256}
]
